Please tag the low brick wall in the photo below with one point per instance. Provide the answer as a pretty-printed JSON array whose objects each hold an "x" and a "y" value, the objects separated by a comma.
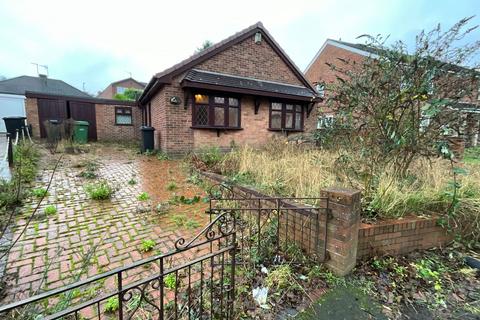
[
  {"x": 348, "y": 240},
  {"x": 395, "y": 237}
]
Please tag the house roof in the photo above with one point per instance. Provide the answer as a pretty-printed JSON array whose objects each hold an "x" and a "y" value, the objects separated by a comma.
[
  {"x": 20, "y": 85},
  {"x": 369, "y": 51},
  {"x": 225, "y": 82},
  {"x": 144, "y": 84},
  {"x": 165, "y": 77}
]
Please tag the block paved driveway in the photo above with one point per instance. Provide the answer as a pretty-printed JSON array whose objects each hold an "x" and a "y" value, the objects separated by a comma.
[{"x": 53, "y": 246}]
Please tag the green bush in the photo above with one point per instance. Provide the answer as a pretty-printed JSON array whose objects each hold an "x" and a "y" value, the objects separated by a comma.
[
  {"x": 25, "y": 160},
  {"x": 211, "y": 156},
  {"x": 8, "y": 194},
  {"x": 100, "y": 190}
]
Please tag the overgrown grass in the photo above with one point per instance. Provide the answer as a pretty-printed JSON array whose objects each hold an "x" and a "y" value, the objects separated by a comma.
[
  {"x": 292, "y": 170},
  {"x": 472, "y": 155}
]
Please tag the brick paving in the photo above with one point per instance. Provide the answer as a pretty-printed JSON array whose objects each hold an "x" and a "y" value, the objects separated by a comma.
[{"x": 53, "y": 246}]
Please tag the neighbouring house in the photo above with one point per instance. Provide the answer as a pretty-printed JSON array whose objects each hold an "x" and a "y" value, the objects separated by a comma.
[
  {"x": 120, "y": 87},
  {"x": 242, "y": 90},
  {"x": 320, "y": 74},
  {"x": 41, "y": 99}
]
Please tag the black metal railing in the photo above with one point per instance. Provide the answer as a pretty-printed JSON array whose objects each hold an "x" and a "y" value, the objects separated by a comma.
[{"x": 194, "y": 281}]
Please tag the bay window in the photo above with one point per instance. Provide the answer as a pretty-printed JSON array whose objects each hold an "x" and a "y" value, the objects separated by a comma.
[
  {"x": 286, "y": 116},
  {"x": 216, "y": 111}
]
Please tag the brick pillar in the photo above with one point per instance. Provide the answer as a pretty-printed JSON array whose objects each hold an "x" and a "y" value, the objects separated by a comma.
[{"x": 342, "y": 228}]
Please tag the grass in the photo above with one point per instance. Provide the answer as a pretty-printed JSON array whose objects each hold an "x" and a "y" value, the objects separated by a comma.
[
  {"x": 179, "y": 219},
  {"x": 99, "y": 190},
  {"x": 299, "y": 171},
  {"x": 472, "y": 155}
]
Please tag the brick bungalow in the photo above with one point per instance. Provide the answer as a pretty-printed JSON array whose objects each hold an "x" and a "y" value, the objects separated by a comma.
[
  {"x": 242, "y": 90},
  {"x": 334, "y": 51}
]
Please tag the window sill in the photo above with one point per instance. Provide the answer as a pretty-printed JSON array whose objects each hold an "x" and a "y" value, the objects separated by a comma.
[
  {"x": 123, "y": 125},
  {"x": 215, "y": 128},
  {"x": 286, "y": 130}
]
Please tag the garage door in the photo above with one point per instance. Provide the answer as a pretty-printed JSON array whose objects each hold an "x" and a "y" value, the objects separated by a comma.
[
  {"x": 86, "y": 112},
  {"x": 50, "y": 109}
]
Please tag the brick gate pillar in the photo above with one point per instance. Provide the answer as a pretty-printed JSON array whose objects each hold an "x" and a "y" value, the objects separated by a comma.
[{"x": 342, "y": 228}]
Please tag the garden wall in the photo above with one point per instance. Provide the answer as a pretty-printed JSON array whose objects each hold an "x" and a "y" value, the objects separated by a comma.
[
  {"x": 395, "y": 237},
  {"x": 348, "y": 240}
]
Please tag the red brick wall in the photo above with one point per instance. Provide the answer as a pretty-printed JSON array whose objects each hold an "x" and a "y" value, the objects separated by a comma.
[
  {"x": 173, "y": 122},
  {"x": 400, "y": 236},
  {"x": 248, "y": 59},
  {"x": 31, "y": 109},
  {"x": 110, "y": 91},
  {"x": 108, "y": 131}
]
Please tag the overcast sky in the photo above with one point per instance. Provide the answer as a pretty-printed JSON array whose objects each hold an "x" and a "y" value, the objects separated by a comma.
[{"x": 93, "y": 43}]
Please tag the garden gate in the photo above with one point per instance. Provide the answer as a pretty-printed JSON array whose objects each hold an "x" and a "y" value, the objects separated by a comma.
[{"x": 195, "y": 280}]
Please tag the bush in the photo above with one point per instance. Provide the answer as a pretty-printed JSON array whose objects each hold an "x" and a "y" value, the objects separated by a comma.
[
  {"x": 100, "y": 190},
  {"x": 25, "y": 160}
]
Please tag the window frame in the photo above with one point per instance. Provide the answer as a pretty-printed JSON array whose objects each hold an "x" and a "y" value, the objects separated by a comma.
[
  {"x": 123, "y": 108},
  {"x": 284, "y": 112},
  {"x": 211, "y": 105}
]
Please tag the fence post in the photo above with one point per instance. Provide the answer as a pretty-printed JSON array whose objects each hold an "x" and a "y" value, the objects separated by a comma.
[
  {"x": 342, "y": 228},
  {"x": 9, "y": 150}
]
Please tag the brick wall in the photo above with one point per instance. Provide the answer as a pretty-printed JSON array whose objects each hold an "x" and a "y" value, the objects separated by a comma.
[
  {"x": 108, "y": 131},
  {"x": 400, "y": 236},
  {"x": 173, "y": 122},
  {"x": 31, "y": 109}
]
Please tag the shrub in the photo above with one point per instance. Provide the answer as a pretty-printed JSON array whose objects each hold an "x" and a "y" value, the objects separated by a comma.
[
  {"x": 179, "y": 220},
  {"x": 100, "y": 190},
  {"x": 147, "y": 245},
  {"x": 50, "y": 210},
  {"x": 25, "y": 159},
  {"x": 8, "y": 194},
  {"x": 90, "y": 171},
  {"x": 162, "y": 155},
  {"x": 280, "y": 278},
  {"x": 143, "y": 196},
  {"x": 111, "y": 305},
  {"x": 39, "y": 192},
  {"x": 211, "y": 157}
]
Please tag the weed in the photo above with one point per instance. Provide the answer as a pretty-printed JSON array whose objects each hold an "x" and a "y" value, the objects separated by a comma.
[
  {"x": 162, "y": 207},
  {"x": 39, "y": 192},
  {"x": 280, "y": 278},
  {"x": 179, "y": 220},
  {"x": 147, "y": 245},
  {"x": 143, "y": 196},
  {"x": 50, "y": 210},
  {"x": 171, "y": 186},
  {"x": 100, "y": 190},
  {"x": 132, "y": 182},
  {"x": 90, "y": 171},
  {"x": 111, "y": 305},
  {"x": 184, "y": 200},
  {"x": 170, "y": 281},
  {"x": 192, "y": 224},
  {"x": 195, "y": 179},
  {"x": 36, "y": 228},
  {"x": 161, "y": 155}
]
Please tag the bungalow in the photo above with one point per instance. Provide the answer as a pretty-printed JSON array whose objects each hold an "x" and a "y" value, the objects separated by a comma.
[{"x": 242, "y": 90}]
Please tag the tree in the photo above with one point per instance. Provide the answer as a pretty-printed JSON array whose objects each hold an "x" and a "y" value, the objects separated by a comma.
[
  {"x": 129, "y": 94},
  {"x": 206, "y": 44},
  {"x": 397, "y": 106}
]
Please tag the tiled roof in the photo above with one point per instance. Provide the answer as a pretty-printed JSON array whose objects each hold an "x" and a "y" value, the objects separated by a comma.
[
  {"x": 22, "y": 84},
  {"x": 225, "y": 80}
]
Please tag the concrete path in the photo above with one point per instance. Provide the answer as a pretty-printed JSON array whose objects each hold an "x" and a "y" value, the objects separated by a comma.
[{"x": 344, "y": 303}]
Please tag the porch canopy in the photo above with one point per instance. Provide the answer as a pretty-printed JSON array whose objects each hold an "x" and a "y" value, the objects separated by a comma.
[{"x": 207, "y": 80}]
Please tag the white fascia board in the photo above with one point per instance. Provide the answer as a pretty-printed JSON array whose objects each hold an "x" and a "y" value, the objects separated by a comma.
[
  {"x": 342, "y": 46},
  {"x": 12, "y": 96}
]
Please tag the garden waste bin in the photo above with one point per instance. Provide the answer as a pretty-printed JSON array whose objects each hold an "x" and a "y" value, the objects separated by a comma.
[
  {"x": 147, "y": 138},
  {"x": 80, "y": 132}
]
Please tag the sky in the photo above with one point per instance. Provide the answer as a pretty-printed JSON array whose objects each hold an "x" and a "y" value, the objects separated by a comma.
[{"x": 90, "y": 44}]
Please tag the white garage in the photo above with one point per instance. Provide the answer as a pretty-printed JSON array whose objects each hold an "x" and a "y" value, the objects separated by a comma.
[{"x": 11, "y": 105}]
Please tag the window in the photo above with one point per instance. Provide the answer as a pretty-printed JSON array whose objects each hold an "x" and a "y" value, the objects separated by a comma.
[
  {"x": 325, "y": 121},
  {"x": 320, "y": 87},
  {"x": 123, "y": 116},
  {"x": 286, "y": 116},
  {"x": 216, "y": 111},
  {"x": 121, "y": 89}
]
